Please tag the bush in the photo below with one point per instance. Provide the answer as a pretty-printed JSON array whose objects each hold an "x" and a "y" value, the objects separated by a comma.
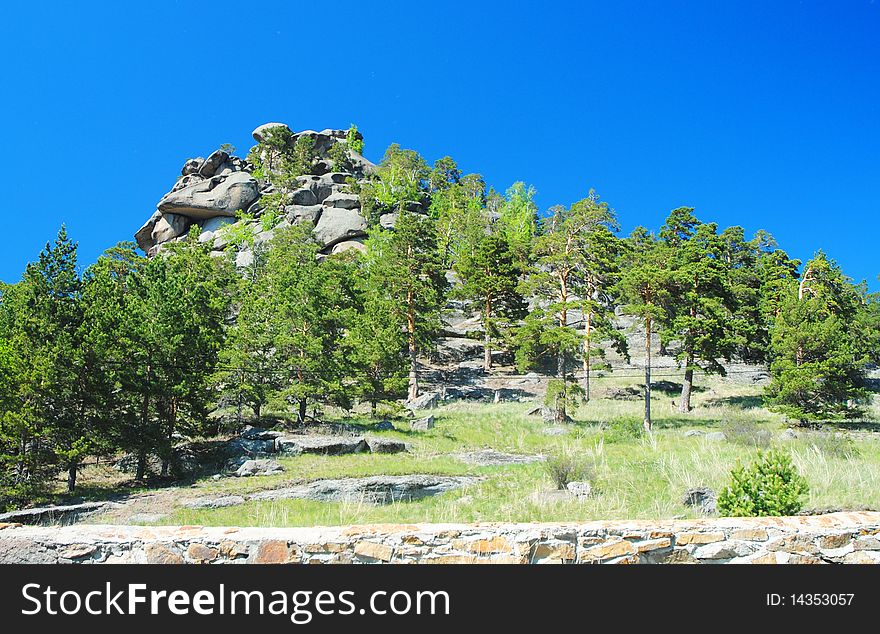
[
  {"x": 566, "y": 466},
  {"x": 746, "y": 433},
  {"x": 769, "y": 486},
  {"x": 623, "y": 430}
]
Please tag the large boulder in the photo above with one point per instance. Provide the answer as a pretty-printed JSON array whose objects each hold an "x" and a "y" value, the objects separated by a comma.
[
  {"x": 336, "y": 225},
  {"x": 168, "y": 227},
  {"x": 260, "y": 134},
  {"x": 221, "y": 195},
  {"x": 144, "y": 235},
  {"x": 212, "y": 164},
  {"x": 258, "y": 468}
]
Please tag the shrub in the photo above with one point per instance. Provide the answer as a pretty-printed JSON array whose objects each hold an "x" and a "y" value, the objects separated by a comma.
[
  {"x": 354, "y": 140},
  {"x": 566, "y": 466},
  {"x": 769, "y": 486},
  {"x": 746, "y": 433},
  {"x": 623, "y": 430},
  {"x": 339, "y": 157}
]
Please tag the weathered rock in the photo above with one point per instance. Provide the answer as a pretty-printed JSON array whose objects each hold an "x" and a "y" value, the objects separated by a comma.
[
  {"x": 703, "y": 499},
  {"x": 342, "y": 200},
  {"x": 325, "y": 445},
  {"x": 259, "y": 468},
  {"x": 581, "y": 489},
  {"x": 384, "y": 425},
  {"x": 788, "y": 434},
  {"x": 144, "y": 235},
  {"x": 213, "y": 225},
  {"x": 458, "y": 348},
  {"x": 347, "y": 245},
  {"x": 715, "y": 436},
  {"x": 168, "y": 227},
  {"x": 492, "y": 458},
  {"x": 260, "y": 133},
  {"x": 336, "y": 225},
  {"x": 304, "y": 197},
  {"x": 256, "y": 433},
  {"x": 64, "y": 514},
  {"x": 373, "y": 489},
  {"x": 693, "y": 432},
  {"x": 192, "y": 166},
  {"x": 212, "y": 163},
  {"x": 215, "y": 502},
  {"x": 422, "y": 424},
  {"x": 303, "y": 213},
  {"x": 386, "y": 221},
  {"x": 252, "y": 447},
  {"x": 221, "y": 195},
  {"x": 386, "y": 445},
  {"x": 428, "y": 400}
]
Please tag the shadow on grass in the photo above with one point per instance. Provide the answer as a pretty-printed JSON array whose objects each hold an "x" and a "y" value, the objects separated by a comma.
[{"x": 740, "y": 402}]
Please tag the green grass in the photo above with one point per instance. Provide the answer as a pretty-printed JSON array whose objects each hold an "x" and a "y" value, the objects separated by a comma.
[{"x": 636, "y": 476}]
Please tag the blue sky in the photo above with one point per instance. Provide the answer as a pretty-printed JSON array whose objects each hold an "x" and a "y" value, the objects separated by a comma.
[{"x": 762, "y": 114}]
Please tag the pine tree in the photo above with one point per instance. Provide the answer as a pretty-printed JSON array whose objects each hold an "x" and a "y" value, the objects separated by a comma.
[
  {"x": 406, "y": 264},
  {"x": 701, "y": 305},
  {"x": 181, "y": 298},
  {"x": 819, "y": 357},
  {"x": 490, "y": 279},
  {"x": 114, "y": 334},
  {"x": 568, "y": 274},
  {"x": 309, "y": 297},
  {"x": 644, "y": 287},
  {"x": 376, "y": 339}
]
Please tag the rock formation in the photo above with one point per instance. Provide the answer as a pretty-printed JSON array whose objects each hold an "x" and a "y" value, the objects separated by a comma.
[{"x": 211, "y": 191}]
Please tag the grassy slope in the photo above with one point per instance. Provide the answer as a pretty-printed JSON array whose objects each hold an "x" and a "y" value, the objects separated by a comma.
[{"x": 635, "y": 477}]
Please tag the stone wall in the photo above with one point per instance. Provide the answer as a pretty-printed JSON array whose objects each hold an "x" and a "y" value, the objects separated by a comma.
[{"x": 832, "y": 538}]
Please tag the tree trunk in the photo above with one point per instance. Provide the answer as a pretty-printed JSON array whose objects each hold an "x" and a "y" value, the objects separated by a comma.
[
  {"x": 487, "y": 339},
  {"x": 487, "y": 352},
  {"x": 258, "y": 409},
  {"x": 141, "y": 465},
  {"x": 685, "y": 405},
  {"x": 561, "y": 414},
  {"x": 587, "y": 347},
  {"x": 413, "y": 352},
  {"x": 71, "y": 478},
  {"x": 647, "y": 421},
  {"x": 301, "y": 414},
  {"x": 662, "y": 351},
  {"x": 172, "y": 423}
]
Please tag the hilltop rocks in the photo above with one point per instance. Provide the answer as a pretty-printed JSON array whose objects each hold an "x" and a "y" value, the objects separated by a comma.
[
  {"x": 211, "y": 191},
  {"x": 260, "y": 134},
  {"x": 221, "y": 195}
]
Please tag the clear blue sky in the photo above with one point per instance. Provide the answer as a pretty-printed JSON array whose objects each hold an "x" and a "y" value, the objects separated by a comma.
[{"x": 763, "y": 114}]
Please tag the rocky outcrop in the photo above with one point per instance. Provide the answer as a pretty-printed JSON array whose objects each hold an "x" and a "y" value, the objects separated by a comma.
[
  {"x": 211, "y": 191},
  {"x": 835, "y": 538}
]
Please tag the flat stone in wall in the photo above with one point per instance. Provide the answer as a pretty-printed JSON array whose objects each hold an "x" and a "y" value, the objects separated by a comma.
[{"x": 832, "y": 538}]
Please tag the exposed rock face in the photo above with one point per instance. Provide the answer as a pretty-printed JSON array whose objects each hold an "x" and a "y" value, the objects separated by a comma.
[
  {"x": 211, "y": 191},
  {"x": 221, "y": 195}
]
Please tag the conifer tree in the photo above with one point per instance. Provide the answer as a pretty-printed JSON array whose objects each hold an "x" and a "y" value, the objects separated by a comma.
[
  {"x": 490, "y": 279},
  {"x": 406, "y": 264},
  {"x": 644, "y": 287},
  {"x": 701, "y": 304},
  {"x": 819, "y": 356}
]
